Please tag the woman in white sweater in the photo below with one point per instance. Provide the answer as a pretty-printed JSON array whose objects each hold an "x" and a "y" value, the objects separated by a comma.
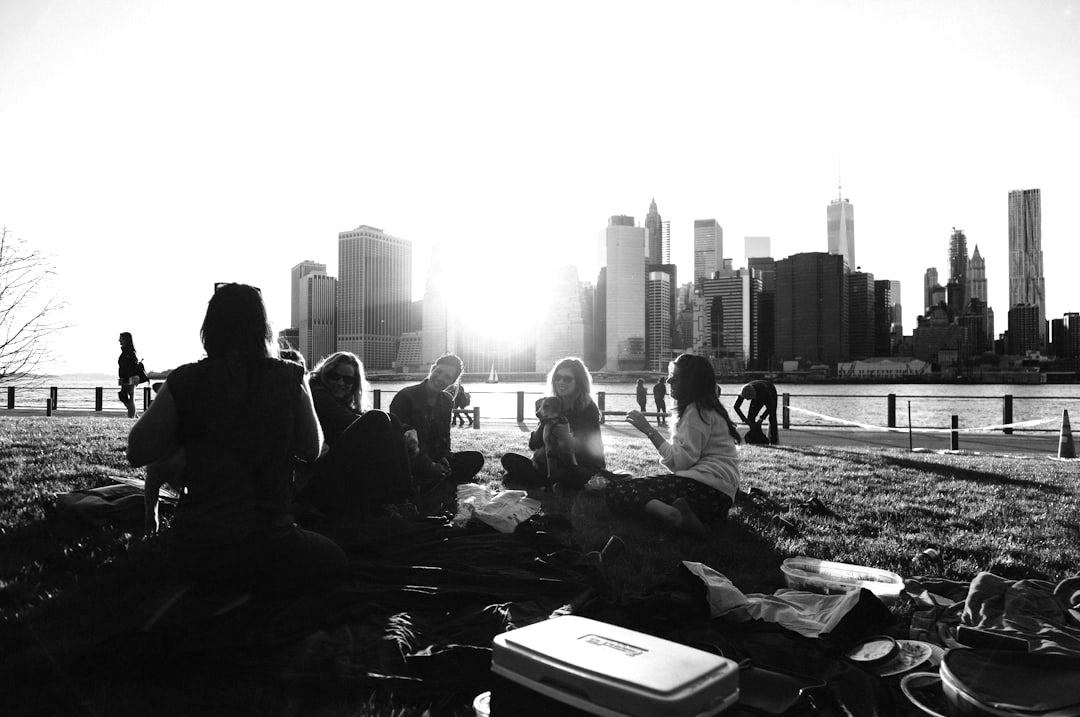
[{"x": 701, "y": 457}]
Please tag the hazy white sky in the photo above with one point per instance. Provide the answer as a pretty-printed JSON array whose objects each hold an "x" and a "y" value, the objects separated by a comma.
[{"x": 157, "y": 147}]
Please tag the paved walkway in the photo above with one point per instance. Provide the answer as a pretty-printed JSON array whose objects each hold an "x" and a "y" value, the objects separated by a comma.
[{"x": 1019, "y": 443}]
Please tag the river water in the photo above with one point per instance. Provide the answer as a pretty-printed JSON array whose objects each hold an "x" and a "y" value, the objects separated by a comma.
[{"x": 932, "y": 405}]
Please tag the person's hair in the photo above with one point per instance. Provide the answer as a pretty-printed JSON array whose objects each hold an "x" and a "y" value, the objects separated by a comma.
[
  {"x": 641, "y": 382},
  {"x": 360, "y": 392},
  {"x": 236, "y": 323},
  {"x": 582, "y": 381},
  {"x": 697, "y": 387},
  {"x": 453, "y": 361},
  {"x": 129, "y": 343}
]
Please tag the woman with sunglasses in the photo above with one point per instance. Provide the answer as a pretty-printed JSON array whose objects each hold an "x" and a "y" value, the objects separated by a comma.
[
  {"x": 366, "y": 463},
  {"x": 570, "y": 382},
  {"x": 230, "y": 426},
  {"x": 701, "y": 456}
]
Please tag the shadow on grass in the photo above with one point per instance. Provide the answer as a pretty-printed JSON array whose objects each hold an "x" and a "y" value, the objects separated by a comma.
[{"x": 951, "y": 472}]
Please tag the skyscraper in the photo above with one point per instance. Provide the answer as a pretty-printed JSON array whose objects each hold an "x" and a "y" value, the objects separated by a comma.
[
  {"x": 725, "y": 320},
  {"x": 560, "y": 329},
  {"x": 930, "y": 282},
  {"x": 655, "y": 243},
  {"x": 658, "y": 317},
  {"x": 318, "y": 309},
  {"x": 958, "y": 266},
  {"x": 861, "y": 319},
  {"x": 1026, "y": 283},
  {"x": 841, "y": 225},
  {"x": 297, "y": 273},
  {"x": 374, "y": 293},
  {"x": 811, "y": 319},
  {"x": 624, "y": 251},
  {"x": 708, "y": 249},
  {"x": 977, "y": 276},
  {"x": 665, "y": 242}
]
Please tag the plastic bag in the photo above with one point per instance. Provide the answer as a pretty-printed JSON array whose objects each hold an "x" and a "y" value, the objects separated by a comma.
[{"x": 503, "y": 511}]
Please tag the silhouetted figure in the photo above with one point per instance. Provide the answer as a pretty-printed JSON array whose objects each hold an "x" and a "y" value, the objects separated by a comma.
[
  {"x": 659, "y": 392},
  {"x": 762, "y": 397},
  {"x": 131, "y": 373}
]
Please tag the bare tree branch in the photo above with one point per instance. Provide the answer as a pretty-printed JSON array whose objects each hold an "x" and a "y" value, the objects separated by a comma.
[{"x": 29, "y": 314}]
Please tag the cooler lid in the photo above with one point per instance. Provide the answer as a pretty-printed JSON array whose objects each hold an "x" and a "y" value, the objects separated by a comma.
[
  {"x": 1033, "y": 683},
  {"x": 615, "y": 653}
]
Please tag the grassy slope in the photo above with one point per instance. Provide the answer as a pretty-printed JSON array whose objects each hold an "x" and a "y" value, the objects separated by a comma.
[{"x": 1015, "y": 516}]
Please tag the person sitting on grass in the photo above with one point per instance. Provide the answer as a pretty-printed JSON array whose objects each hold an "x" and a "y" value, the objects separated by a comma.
[
  {"x": 365, "y": 466},
  {"x": 239, "y": 416},
  {"x": 426, "y": 407},
  {"x": 570, "y": 382},
  {"x": 701, "y": 456}
]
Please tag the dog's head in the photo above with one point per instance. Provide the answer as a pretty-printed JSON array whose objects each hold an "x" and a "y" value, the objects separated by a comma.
[{"x": 549, "y": 408}]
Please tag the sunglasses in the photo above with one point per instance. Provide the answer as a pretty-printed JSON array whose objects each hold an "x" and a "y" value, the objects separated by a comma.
[
  {"x": 219, "y": 284},
  {"x": 560, "y": 378},
  {"x": 335, "y": 376}
]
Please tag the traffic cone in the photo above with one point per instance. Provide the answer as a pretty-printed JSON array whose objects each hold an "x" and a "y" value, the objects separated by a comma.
[{"x": 1065, "y": 442}]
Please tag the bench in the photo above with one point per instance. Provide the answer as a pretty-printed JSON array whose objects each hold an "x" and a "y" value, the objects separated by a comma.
[{"x": 648, "y": 414}]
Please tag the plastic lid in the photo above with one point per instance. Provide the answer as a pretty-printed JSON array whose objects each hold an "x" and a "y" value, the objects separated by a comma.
[{"x": 874, "y": 650}]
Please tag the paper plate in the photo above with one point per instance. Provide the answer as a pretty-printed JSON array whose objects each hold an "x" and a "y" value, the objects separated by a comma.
[{"x": 912, "y": 654}]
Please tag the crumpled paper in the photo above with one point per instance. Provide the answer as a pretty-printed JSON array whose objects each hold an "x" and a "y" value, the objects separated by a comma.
[{"x": 503, "y": 511}]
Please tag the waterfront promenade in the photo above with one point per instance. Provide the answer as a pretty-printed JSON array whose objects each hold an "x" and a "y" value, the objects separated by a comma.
[{"x": 1026, "y": 443}]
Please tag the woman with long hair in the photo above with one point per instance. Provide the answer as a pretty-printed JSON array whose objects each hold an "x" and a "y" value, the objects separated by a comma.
[
  {"x": 570, "y": 382},
  {"x": 366, "y": 466},
  {"x": 701, "y": 456},
  {"x": 232, "y": 424},
  {"x": 130, "y": 372}
]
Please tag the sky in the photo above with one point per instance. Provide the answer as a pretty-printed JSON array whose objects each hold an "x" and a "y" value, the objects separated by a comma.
[{"x": 152, "y": 148}]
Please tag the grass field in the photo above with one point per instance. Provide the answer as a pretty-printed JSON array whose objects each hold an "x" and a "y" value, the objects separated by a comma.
[{"x": 1018, "y": 517}]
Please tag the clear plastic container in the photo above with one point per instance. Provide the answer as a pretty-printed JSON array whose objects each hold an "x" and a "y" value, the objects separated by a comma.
[{"x": 825, "y": 576}]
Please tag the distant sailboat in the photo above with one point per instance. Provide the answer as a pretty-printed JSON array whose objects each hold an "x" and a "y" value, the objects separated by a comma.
[{"x": 493, "y": 377}]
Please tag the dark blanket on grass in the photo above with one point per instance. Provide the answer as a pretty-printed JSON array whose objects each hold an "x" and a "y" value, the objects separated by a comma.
[{"x": 415, "y": 622}]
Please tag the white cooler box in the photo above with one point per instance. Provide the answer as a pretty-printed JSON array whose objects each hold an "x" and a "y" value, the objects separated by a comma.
[{"x": 573, "y": 665}]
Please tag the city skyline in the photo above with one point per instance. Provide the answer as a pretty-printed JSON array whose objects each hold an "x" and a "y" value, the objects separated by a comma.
[{"x": 151, "y": 172}]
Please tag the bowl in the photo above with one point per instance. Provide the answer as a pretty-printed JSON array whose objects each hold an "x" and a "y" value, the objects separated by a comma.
[
  {"x": 923, "y": 689},
  {"x": 825, "y": 576}
]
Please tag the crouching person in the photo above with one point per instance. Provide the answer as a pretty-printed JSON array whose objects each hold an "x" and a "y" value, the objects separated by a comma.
[{"x": 239, "y": 415}]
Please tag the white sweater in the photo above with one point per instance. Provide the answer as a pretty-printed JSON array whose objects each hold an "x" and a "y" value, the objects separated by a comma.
[{"x": 701, "y": 448}]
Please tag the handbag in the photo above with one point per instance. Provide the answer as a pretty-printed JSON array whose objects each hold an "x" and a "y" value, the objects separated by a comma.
[{"x": 143, "y": 378}]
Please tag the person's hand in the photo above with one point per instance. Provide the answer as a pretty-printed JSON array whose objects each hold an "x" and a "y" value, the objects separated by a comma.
[
  {"x": 638, "y": 421},
  {"x": 442, "y": 467},
  {"x": 412, "y": 443}
]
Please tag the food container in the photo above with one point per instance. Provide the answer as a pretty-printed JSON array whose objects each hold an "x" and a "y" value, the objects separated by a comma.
[
  {"x": 1007, "y": 683},
  {"x": 824, "y": 576},
  {"x": 575, "y": 666}
]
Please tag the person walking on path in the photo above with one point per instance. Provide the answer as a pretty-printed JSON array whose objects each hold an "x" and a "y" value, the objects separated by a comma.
[
  {"x": 427, "y": 407},
  {"x": 762, "y": 397},
  {"x": 701, "y": 457},
  {"x": 659, "y": 392},
  {"x": 131, "y": 373},
  {"x": 642, "y": 394}
]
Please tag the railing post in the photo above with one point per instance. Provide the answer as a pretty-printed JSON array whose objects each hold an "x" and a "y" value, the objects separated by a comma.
[
  {"x": 476, "y": 418},
  {"x": 892, "y": 410},
  {"x": 787, "y": 411},
  {"x": 1006, "y": 414},
  {"x": 53, "y": 395},
  {"x": 954, "y": 441},
  {"x": 48, "y": 407},
  {"x": 11, "y": 397},
  {"x": 601, "y": 398},
  {"x": 98, "y": 398},
  {"x": 376, "y": 398},
  {"x": 145, "y": 397},
  {"x": 521, "y": 407}
]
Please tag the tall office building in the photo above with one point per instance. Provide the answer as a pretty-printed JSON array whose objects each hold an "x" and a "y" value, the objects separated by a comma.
[
  {"x": 725, "y": 319},
  {"x": 297, "y": 273},
  {"x": 439, "y": 329},
  {"x": 560, "y": 330},
  {"x": 318, "y": 310},
  {"x": 374, "y": 294},
  {"x": 757, "y": 247},
  {"x": 1026, "y": 283},
  {"x": 665, "y": 242},
  {"x": 883, "y": 323},
  {"x": 658, "y": 316},
  {"x": 897, "y": 312},
  {"x": 708, "y": 249},
  {"x": 811, "y": 319},
  {"x": 624, "y": 252},
  {"x": 977, "y": 276},
  {"x": 654, "y": 247},
  {"x": 861, "y": 319},
  {"x": 956, "y": 289},
  {"x": 930, "y": 282},
  {"x": 841, "y": 226}
]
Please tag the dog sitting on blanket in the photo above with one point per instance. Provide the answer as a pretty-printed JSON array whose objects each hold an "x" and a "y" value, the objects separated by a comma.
[{"x": 557, "y": 453}]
